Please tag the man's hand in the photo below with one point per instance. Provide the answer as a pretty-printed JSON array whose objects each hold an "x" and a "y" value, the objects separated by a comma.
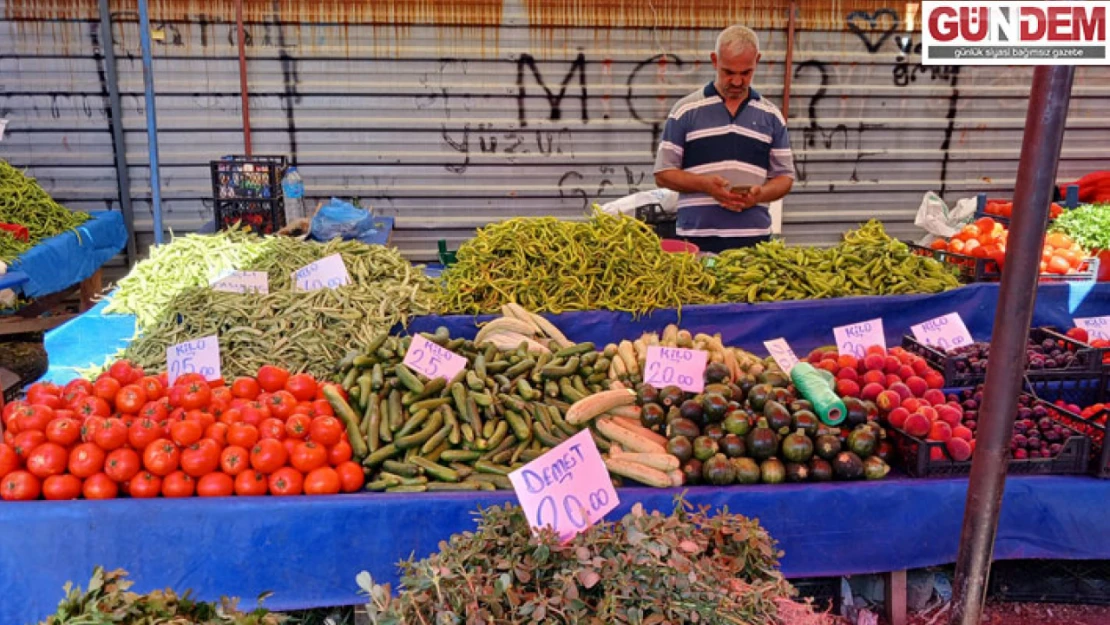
[
  {"x": 751, "y": 198},
  {"x": 721, "y": 189}
]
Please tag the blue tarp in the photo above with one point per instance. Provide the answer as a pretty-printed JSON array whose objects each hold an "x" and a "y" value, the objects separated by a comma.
[
  {"x": 64, "y": 260},
  {"x": 92, "y": 337},
  {"x": 307, "y": 550}
]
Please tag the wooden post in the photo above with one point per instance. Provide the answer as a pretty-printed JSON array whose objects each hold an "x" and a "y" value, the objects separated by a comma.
[
  {"x": 90, "y": 289},
  {"x": 894, "y": 589}
]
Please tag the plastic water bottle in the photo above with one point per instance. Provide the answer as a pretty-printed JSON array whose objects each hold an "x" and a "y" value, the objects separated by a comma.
[{"x": 292, "y": 187}]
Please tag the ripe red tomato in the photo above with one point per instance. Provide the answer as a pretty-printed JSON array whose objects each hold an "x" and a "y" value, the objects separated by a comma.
[
  {"x": 9, "y": 460},
  {"x": 44, "y": 397},
  {"x": 290, "y": 445},
  {"x": 255, "y": 413},
  {"x": 178, "y": 484},
  {"x": 34, "y": 417},
  {"x": 351, "y": 478},
  {"x": 25, "y": 442},
  {"x": 7, "y": 414},
  {"x": 281, "y": 404},
  {"x": 161, "y": 457},
  {"x": 216, "y": 485},
  {"x": 130, "y": 399},
  {"x": 322, "y": 408},
  {"x": 322, "y": 481},
  {"x": 242, "y": 434},
  {"x": 271, "y": 378},
  {"x": 78, "y": 385},
  {"x": 234, "y": 460},
  {"x": 86, "y": 460},
  {"x": 271, "y": 428},
  {"x": 250, "y": 483},
  {"x": 326, "y": 430},
  {"x": 302, "y": 386},
  {"x": 63, "y": 430},
  {"x": 268, "y": 455},
  {"x": 246, "y": 388},
  {"x": 92, "y": 406},
  {"x": 303, "y": 408},
  {"x": 20, "y": 486},
  {"x": 186, "y": 432},
  {"x": 122, "y": 371},
  {"x": 200, "y": 458},
  {"x": 231, "y": 415},
  {"x": 112, "y": 435},
  {"x": 197, "y": 395},
  {"x": 47, "y": 459},
  {"x": 286, "y": 481},
  {"x": 106, "y": 388},
  {"x": 122, "y": 464},
  {"x": 144, "y": 485},
  {"x": 186, "y": 379},
  {"x": 340, "y": 452},
  {"x": 297, "y": 426},
  {"x": 61, "y": 487},
  {"x": 307, "y": 457},
  {"x": 71, "y": 399},
  {"x": 153, "y": 387},
  {"x": 143, "y": 432},
  {"x": 218, "y": 433},
  {"x": 221, "y": 393},
  {"x": 100, "y": 486}
]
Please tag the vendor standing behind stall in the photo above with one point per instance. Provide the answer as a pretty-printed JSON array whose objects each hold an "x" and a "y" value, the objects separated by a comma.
[{"x": 726, "y": 151}]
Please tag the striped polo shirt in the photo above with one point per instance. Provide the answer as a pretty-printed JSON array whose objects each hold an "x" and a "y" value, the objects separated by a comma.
[{"x": 748, "y": 148}]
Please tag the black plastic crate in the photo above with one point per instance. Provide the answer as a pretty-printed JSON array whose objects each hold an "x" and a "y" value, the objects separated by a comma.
[
  {"x": 920, "y": 460},
  {"x": 1087, "y": 365},
  {"x": 261, "y": 216},
  {"x": 1051, "y": 581},
  {"x": 665, "y": 225},
  {"x": 1094, "y": 427},
  {"x": 975, "y": 269},
  {"x": 824, "y": 591},
  {"x": 247, "y": 177}
]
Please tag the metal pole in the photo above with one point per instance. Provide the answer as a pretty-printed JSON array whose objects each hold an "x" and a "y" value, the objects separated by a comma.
[
  {"x": 151, "y": 120},
  {"x": 1040, "y": 153},
  {"x": 788, "y": 62},
  {"x": 123, "y": 175},
  {"x": 245, "y": 91}
]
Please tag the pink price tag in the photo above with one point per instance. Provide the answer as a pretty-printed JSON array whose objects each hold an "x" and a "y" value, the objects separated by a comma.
[
  {"x": 432, "y": 360},
  {"x": 684, "y": 368},
  {"x": 1096, "y": 327},
  {"x": 947, "y": 332},
  {"x": 783, "y": 355},
  {"x": 856, "y": 338},
  {"x": 567, "y": 489}
]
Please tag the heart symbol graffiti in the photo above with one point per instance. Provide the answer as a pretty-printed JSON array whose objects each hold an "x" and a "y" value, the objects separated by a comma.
[{"x": 867, "y": 27}]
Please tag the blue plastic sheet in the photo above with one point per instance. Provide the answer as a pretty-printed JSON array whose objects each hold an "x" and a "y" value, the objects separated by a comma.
[
  {"x": 804, "y": 324},
  {"x": 307, "y": 550},
  {"x": 64, "y": 260}
]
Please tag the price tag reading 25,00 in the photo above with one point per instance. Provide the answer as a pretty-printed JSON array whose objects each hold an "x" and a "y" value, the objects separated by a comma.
[
  {"x": 432, "y": 360},
  {"x": 674, "y": 366}
]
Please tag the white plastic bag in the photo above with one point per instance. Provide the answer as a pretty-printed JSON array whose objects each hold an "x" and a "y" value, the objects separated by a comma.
[
  {"x": 934, "y": 216},
  {"x": 628, "y": 204}
]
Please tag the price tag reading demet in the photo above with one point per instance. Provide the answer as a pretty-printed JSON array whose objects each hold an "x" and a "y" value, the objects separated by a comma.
[
  {"x": 327, "y": 273},
  {"x": 432, "y": 360},
  {"x": 197, "y": 356},
  {"x": 567, "y": 489},
  {"x": 684, "y": 368},
  {"x": 854, "y": 339},
  {"x": 947, "y": 332},
  {"x": 1096, "y": 327},
  {"x": 243, "y": 282},
  {"x": 781, "y": 352}
]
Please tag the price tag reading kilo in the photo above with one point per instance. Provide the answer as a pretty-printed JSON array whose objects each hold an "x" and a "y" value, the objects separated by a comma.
[
  {"x": 947, "y": 332},
  {"x": 567, "y": 489},
  {"x": 684, "y": 368},
  {"x": 432, "y": 360},
  {"x": 327, "y": 273},
  {"x": 854, "y": 339},
  {"x": 1096, "y": 327},
  {"x": 197, "y": 356},
  {"x": 243, "y": 282}
]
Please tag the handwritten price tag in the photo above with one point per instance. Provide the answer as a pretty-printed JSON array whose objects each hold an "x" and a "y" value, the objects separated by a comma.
[
  {"x": 947, "y": 332},
  {"x": 1096, "y": 327},
  {"x": 781, "y": 352},
  {"x": 567, "y": 489},
  {"x": 432, "y": 360},
  {"x": 243, "y": 282},
  {"x": 856, "y": 338},
  {"x": 327, "y": 273},
  {"x": 684, "y": 368},
  {"x": 197, "y": 356}
]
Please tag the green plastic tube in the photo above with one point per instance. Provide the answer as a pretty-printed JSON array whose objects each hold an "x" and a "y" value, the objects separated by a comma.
[{"x": 830, "y": 409}]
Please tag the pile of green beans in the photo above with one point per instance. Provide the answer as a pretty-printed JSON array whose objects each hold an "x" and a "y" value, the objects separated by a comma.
[
  {"x": 549, "y": 265},
  {"x": 302, "y": 331},
  {"x": 24, "y": 202},
  {"x": 866, "y": 262},
  {"x": 505, "y": 409}
]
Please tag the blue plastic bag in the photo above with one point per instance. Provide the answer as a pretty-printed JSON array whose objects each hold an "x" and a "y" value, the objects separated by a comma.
[{"x": 339, "y": 219}]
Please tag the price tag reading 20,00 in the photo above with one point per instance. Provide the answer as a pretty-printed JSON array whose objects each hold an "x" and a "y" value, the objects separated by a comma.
[
  {"x": 856, "y": 338},
  {"x": 684, "y": 368}
]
